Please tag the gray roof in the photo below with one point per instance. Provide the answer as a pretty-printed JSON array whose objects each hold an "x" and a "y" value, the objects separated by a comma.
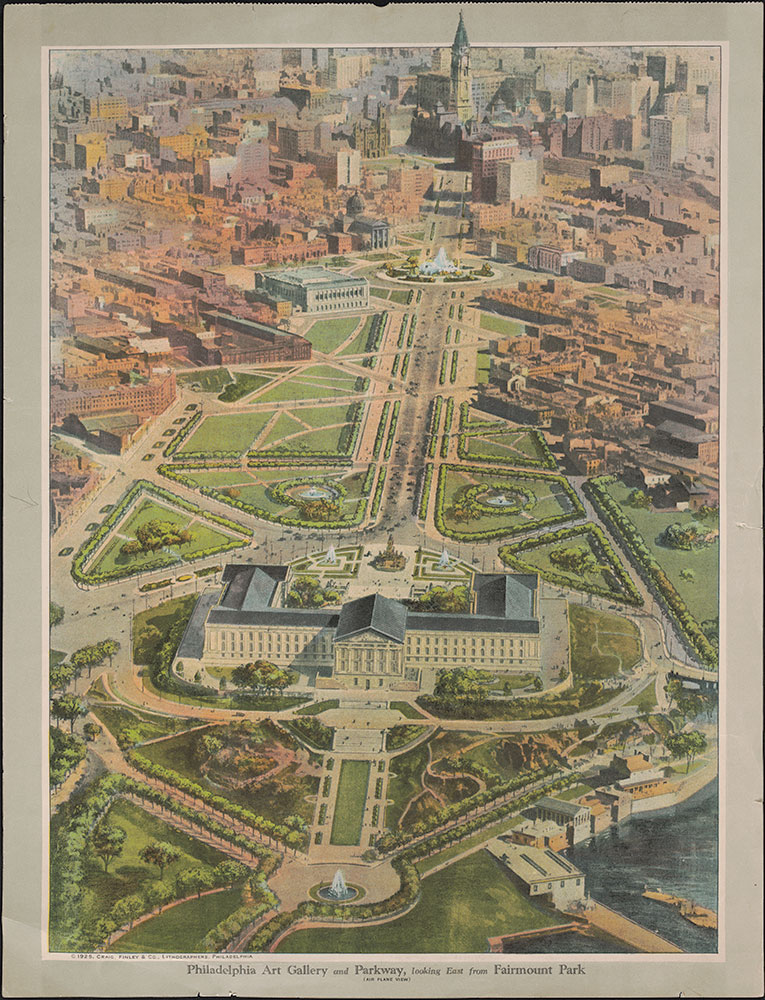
[
  {"x": 682, "y": 432},
  {"x": 425, "y": 620},
  {"x": 275, "y": 617},
  {"x": 510, "y": 596},
  {"x": 560, "y": 805},
  {"x": 380, "y": 614},
  {"x": 250, "y": 588},
  {"x": 192, "y": 642}
]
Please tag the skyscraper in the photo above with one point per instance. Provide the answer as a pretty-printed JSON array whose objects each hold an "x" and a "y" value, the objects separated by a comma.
[{"x": 461, "y": 97}]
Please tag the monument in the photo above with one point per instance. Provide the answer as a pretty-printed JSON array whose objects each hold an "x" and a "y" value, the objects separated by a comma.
[
  {"x": 439, "y": 265},
  {"x": 390, "y": 558}
]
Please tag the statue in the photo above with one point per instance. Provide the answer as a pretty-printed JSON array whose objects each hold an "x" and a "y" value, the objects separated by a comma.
[{"x": 390, "y": 558}]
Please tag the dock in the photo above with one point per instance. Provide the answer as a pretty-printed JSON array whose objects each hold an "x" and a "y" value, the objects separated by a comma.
[
  {"x": 623, "y": 929},
  {"x": 701, "y": 916}
]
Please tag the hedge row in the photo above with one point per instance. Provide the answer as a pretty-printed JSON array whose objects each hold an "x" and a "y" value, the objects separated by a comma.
[
  {"x": 391, "y": 430},
  {"x": 584, "y": 695},
  {"x": 435, "y": 419},
  {"x": 425, "y": 495},
  {"x": 233, "y": 925},
  {"x": 377, "y": 498},
  {"x": 628, "y": 593},
  {"x": 412, "y": 326},
  {"x": 402, "y": 331},
  {"x": 144, "y": 486},
  {"x": 546, "y": 462},
  {"x": 182, "y": 434},
  {"x": 650, "y": 570},
  {"x": 279, "y": 833},
  {"x": 277, "y": 491},
  {"x": 447, "y": 426},
  {"x": 442, "y": 373},
  {"x": 405, "y": 366},
  {"x": 453, "y": 370},
  {"x": 394, "y": 366},
  {"x": 505, "y": 531}
]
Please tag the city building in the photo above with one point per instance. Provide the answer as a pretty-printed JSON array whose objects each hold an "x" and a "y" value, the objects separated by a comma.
[
  {"x": 317, "y": 289},
  {"x": 371, "y": 136},
  {"x": 371, "y": 642},
  {"x": 668, "y": 142},
  {"x": 518, "y": 178},
  {"x": 542, "y": 873},
  {"x": 552, "y": 259},
  {"x": 571, "y": 815}
]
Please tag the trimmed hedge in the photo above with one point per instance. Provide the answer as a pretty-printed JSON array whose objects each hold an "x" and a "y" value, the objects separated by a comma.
[
  {"x": 547, "y": 462},
  {"x": 391, "y": 430},
  {"x": 182, "y": 434},
  {"x": 447, "y": 426},
  {"x": 647, "y": 566},
  {"x": 377, "y": 498},
  {"x": 118, "y": 511},
  {"x": 629, "y": 593},
  {"x": 425, "y": 495},
  {"x": 435, "y": 419},
  {"x": 507, "y": 530}
]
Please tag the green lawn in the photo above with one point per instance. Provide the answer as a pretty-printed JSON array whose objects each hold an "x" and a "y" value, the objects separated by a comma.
[
  {"x": 511, "y": 445},
  {"x": 379, "y": 293},
  {"x": 405, "y": 774},
  {"x": 427, "y": 864},
  {"x": 645, "y": 701},
  {"x": 203, "y": 537},
  {"x": 351, "y": 799},
  {"x": 459, "y": 909},
  {"x": 546, "y": 494},
  {"x": 129, "y": 726},
  {"x": 407, "y": 710},
  {"x": 228, "y": 432},
  {"x": 359, "y": 343},
  {"x": 700, "y": 594},
  {"x": 604, "y": 571},
  {"x": 498, "y": 324},
  {"x": 56, "y": 657},
  {"x": 242, "y": 385},
  {"x": 317, "y": 382},
  {"x": 162, "y": 617},
  {"x": 318, "y": 707},
  {"x": 209, "y": 380},
  {"x": 128, "y": 873},
  {"x": 399, "y": 295},
  {"x": 602, "y": 644},
  {"x": 326, "y": 335},
  {"x": 482, "y": 367},
  {"x": 181, "y": 929}
]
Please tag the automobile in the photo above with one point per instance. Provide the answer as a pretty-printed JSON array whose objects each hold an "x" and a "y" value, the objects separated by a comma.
[
  {"x": 238, "y": 714},
  {"x": 66, "y": 551},
  {"x": 182, "y": 579}
]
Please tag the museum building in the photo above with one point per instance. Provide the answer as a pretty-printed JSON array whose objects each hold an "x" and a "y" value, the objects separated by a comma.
[
  {"x": 370, "y": 642},
  {"x": 317, "y": 289}
]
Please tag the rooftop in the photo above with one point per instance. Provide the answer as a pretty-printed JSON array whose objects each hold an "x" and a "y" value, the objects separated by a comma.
[
  {"x": 533, "y": 864},
  {"x": 315, "y": 276}
]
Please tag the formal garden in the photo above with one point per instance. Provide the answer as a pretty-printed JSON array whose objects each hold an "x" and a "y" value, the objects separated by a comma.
[
  {"x": 578, "y": 558},
  {"x": 475, "y": 503},
  {"x": 152, "y": 528},
  {"x": 319, "y": 495}
]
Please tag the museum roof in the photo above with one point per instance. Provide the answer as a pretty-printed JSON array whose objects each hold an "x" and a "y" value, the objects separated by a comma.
[
  {"x": 249, "y": 588},
  {"x": 315, "y": 276},
  {"x": 506, "y": 595},
  {"x": 275, "y": 617},
  {"x": 380, "y": 614}
]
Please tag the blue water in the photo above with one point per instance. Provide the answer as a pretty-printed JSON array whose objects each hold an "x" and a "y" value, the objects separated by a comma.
[{"x": 674, "y": 850}]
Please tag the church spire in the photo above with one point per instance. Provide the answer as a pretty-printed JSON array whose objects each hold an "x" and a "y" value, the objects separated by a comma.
[{"x": 461, "y": 37}]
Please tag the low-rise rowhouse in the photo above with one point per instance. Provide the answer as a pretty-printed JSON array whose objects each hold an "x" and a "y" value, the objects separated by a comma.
[
  {"x": 372, "y": 642},
  {"x": 317, "y": 289},
  {"x": 542, "y": 873}
]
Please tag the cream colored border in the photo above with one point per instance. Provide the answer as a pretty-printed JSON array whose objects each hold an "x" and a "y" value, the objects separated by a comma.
[{"x": 28, "y": 29}]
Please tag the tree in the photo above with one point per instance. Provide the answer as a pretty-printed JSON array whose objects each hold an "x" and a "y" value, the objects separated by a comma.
[
  {"x": 91, "y": 731},
  {"x": 673, "y": 689},
  {"x": 107, "y": 841},
  {"x": 157, "y": 894},
  {"x": 110, "y": 648},
  {"x": 159, "y": 853},
  {"x": 687, "y": 745},
  {"x": 69, "y": 707},
  {"x": 195, "y": 880},
  {"x": 56, "y": 614},
  {"x": 128, "y": 909},
  {"x": 211, "y": 744},
  {"x": 638, "y": 498},
  {"x": 230, "y": 872}
]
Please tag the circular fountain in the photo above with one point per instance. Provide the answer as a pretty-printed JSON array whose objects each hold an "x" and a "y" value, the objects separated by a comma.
[
  {"x": 338, "y": 891},
  {"x": 501, "y": 501},
  {"x": 440, "y": 264},
  {"x": 314, "y": 493}
]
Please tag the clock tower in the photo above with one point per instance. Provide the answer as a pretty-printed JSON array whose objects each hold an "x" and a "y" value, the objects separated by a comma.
[{"x": 461, "y": 89}]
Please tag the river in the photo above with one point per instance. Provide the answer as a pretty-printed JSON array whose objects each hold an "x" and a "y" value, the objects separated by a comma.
[{"x": 674, "y": 850}]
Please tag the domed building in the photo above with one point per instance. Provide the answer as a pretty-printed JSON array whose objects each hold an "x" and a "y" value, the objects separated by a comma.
[{"x": 355, "y": 205}]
